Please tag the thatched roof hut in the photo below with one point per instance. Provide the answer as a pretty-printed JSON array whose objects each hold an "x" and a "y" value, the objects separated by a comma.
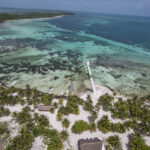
[
  {"x": 44, "y": 107},
  {"x": 90, "y": 144}
]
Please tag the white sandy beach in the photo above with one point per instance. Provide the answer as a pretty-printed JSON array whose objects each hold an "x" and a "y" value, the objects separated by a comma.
[{"x": 38, "y": 19}]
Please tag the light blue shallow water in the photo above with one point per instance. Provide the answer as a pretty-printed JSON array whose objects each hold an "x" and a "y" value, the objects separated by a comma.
[{"x": 53, "y": 52}]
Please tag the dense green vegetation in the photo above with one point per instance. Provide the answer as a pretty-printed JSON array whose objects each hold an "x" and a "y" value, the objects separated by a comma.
[
  {"x": 64, "y": 135},
  {"x": 120, "y": 110},
  {"x": 114, "y": 143},
  {"x": 6, "y": 97},
  {"x": 43, "y": 121},
  {"x": 31, "y": 15},
  {"x": 38, "y": 125},
  {"x": 52, "y": 110},
  {"x": 72, "y": 106},
  {"x": 138, "y": 143},
  {"x": 55, "y": 143},
  {"x": 23, "y": 141},
  {"x": 33, "y": 96},
  {"x": 59, "y": 116},
  {"x": 4, "y": 111},
  {"x": 47, "y": 99},
  {"x": 60, "y": 101},
  {"x": 106, "y": 101},
  {"x": 80, "y": 126},
  {"x": 65, "y": 123},
  {"x": 106, "y": 126},
  {"x": 93, "y": 116},
  {"x": 88, "y": 105},
  {"x": 92, "y": 127},
  {"x": 23, "y": 116},
  {"x": 52, "y": 137},
  {"x": 135, "y": 110},
  {"x": 3, "y": 128}
]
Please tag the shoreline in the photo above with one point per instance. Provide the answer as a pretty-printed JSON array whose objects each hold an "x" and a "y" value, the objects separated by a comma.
[
  {"x": 101, "y": 89},
  {"x": 38, "y": 19}
]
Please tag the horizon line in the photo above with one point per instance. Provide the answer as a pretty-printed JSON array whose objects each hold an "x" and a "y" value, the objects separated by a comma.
[{"x": 131, "y": 15}]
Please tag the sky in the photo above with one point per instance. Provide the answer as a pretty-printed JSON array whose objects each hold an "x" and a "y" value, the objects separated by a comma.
[{"x": 127, "y": 7}]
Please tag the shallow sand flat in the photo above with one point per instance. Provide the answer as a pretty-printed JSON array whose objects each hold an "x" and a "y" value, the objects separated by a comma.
[{"x": 47, "y": 82}]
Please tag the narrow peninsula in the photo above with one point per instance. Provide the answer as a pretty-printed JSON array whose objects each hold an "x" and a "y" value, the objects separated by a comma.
[{"x": 32, "y": 15}]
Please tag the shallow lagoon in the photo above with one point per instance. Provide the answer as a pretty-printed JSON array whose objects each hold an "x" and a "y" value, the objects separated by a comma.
[{"x": 52, "y": 53}]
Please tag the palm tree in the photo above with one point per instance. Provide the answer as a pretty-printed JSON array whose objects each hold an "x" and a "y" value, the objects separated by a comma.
[
  {"x": 137, "y": 142},
  {"x": 66, "y": 123},
  {"x": 114, "y": 141},
  {"x": 59, "y": 116},
  {"x": 64, "y": 135},
  {"x": 104, "y": 124}
]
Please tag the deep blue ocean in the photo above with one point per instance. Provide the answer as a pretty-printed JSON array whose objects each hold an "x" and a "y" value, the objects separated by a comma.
[{"x": 126, "y": 29}]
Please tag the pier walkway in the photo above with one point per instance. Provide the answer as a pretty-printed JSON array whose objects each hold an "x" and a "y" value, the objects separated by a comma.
[{"x": 91, "y": 78}]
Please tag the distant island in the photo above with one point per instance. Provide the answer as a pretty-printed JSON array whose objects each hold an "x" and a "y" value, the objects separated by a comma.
[{"x": 31, "y": 15}]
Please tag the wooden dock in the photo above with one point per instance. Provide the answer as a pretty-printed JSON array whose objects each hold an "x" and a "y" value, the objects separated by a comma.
[{"x": 91, "y": 78}]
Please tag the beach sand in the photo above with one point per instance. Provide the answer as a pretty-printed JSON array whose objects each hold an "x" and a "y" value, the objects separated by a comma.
[{"x": 37, "y": 19}]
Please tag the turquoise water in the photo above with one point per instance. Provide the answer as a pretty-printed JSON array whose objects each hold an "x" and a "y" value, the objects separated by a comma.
[{"x": 52, "y": 53}]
